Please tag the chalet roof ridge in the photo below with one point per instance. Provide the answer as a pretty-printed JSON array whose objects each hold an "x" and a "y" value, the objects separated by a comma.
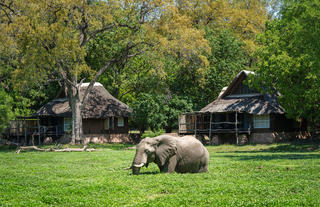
[
  {"x": 86, "y": 84},
  {"x": 234, "y": 81}
]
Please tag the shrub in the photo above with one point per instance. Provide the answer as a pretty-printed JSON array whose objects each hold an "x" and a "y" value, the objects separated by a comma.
[{"x": 150, "y": 133}]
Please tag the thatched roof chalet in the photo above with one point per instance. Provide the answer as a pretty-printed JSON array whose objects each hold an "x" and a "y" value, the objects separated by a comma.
[
  {"x": 101, "y": 104},
  {"x": 237, "y": 97}
]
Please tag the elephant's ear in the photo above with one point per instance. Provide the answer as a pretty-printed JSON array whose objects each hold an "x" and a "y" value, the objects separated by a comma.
[{"x": 166, "y": 148}]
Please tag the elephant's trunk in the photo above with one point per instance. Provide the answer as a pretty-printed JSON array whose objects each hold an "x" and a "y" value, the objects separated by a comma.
[
  {"x": 138, "y": 162},
  {"x": 136, "y": 170}
]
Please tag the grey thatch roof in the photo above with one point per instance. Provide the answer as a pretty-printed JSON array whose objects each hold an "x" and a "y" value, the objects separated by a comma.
[
  {"x": 250, "y": 103},
  {"x": 263, "y": 104},
  {"x": 101, "y": 104}
]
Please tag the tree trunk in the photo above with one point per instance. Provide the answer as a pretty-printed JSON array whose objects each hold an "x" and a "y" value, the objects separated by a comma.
[
  {"x": 76, "y": 122},
  {"x": 75, "y": 105}
]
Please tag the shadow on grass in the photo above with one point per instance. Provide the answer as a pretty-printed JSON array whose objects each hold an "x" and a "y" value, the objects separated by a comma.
[
  {"x": 149, "y": 173},
  {"x": 10, "y": 148},
  {"x": 269, "y": 157},
  {"x": 294, "y": 147},
  {"x": 297, "y": 146},
  {"x": 7, "y": 148},
  {"x": 110, "y": 146}
]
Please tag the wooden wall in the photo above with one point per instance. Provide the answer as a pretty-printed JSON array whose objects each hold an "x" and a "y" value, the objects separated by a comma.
[{"x": 97, "y": 126}]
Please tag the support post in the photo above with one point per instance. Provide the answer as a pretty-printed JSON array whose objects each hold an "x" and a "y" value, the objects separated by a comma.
[
  {"x": 210, "y": 129},
  {"x": 236, "y": 123},
  {"x": 38, "y": 123},
  {"x": 18, "y": 131},
  {"x": 25, "y": 131},
  {"x": 195, "y": 125},
  {"x": 178, "y": 125}
]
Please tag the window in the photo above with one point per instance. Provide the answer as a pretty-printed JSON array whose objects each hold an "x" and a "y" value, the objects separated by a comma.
[
  {"x": 120, "y": 122},
  {"x": 261, "y": 122},
  {"x": 67, "y": 124},
  {"x": 106, "y": 124}
]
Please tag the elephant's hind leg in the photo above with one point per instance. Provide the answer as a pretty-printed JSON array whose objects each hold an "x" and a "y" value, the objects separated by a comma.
[{"x": 203, "y": 168}]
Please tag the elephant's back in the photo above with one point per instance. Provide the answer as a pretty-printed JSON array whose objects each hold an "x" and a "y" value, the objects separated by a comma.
[{"x": 190, "y": 141}]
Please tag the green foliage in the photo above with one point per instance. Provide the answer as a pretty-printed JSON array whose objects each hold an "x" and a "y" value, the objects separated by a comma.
[
  {"x": 158, "y": 111},
  {"x": 289, "y": 59},
  {"x": 172, "y": 108},
  {"x": 147, "y": 113},
  {"x": 6, "y": 113},
  {"x": 227, "y": 58},
  {"x": 152, "y": 133},
  {"x": 74, "y": 41},
  {"x": 261, "y": 175},
  {"x": 245, "y": 19}
]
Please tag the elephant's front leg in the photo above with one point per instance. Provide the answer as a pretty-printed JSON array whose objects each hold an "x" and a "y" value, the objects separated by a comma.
[
  {"x": 161, "y": 168},
  {"x": 170, "y": 166}
]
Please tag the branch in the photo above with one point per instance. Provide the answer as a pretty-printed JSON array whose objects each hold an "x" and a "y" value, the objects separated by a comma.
[
  {"x": 89, "y": 88},
  {"x": 83, "y": 27},
  {"x": 65, "y": 78},
  {"x": 84, "y": 149},
  {"x": 136, "y": 54},
  {"x": 129, "y": 91},
  {"x": 79, "y": 85},
  {"x": 108, "y": 64},
  {"x": 7, "y": 15},
  {"x": 8, "y": 7},
  {"x": 94, "y": 33},
  {"x": 143, "y": 11}
]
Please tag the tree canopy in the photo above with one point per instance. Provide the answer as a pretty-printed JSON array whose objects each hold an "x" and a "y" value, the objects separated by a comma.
[
  {"x": 48, "y": 40},
  {"x": 162, "y": 58},
  {"x": 289, "y": 59}
]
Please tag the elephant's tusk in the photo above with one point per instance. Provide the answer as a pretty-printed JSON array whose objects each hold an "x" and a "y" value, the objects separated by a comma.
[{"x": 140, "y": 165}]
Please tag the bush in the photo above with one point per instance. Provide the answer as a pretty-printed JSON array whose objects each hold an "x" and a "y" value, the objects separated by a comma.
[
  {"x": 150, "y": 133},
  {"x": 6, "y": 113}
]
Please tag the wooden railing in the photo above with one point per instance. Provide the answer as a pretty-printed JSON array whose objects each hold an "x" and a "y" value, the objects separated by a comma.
[{"x": 216, "y": 127}]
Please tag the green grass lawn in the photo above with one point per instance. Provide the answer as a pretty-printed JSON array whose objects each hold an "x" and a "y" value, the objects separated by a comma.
[{"x": 261, "y": 175}]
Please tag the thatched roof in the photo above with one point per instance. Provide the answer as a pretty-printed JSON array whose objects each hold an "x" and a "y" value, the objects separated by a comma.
[
  {"x": 263, "y": 104},
  {"x": 252, "y": 103},
  {"x": 101, "y": 104}
]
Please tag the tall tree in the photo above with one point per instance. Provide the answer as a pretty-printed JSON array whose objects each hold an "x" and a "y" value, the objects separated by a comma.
[
  {"x": 172, "y": 108},
  {"x": 245, "y": 18},
  {"x": 289, "y": 59},
  {"x": 226, "y": 59},
  {"x": 48, "y": 39},
  {"x": 5, "y": 110},
  {"x": 147, "y": 112}
]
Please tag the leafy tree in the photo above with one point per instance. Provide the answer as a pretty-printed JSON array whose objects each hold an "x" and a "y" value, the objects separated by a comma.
[
  {"x": 147, "y": 113},
  {"x": 226, "y": 59},
  {"x": 172, "y": 108},
  {"x": 245, "y": 19},
  {"x": 6, "y": 113},
  {"x": 48, "y": 39},
  {"x": 158, "y": 111},
  {"x": 289, "y": 59}
]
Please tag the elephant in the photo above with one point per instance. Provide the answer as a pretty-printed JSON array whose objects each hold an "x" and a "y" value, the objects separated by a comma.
[{"x": 172, "y": 154}]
